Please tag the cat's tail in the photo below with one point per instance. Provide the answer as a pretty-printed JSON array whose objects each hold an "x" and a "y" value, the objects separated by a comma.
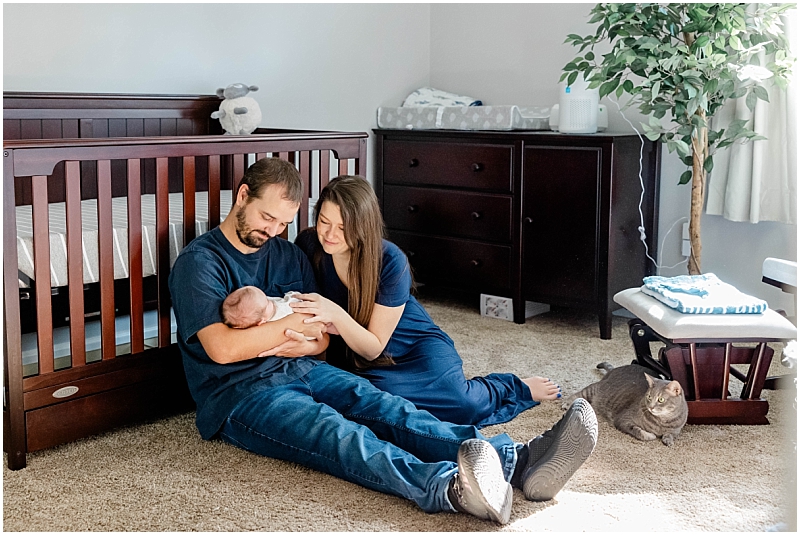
[{"x": 605, "y": 366}]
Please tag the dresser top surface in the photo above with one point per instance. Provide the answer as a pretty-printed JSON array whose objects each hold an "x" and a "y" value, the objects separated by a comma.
[{"x": 501, "y": 134}]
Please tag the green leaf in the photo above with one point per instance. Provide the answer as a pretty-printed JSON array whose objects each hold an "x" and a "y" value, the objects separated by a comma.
[
  {"x": 686, "y": 177},
  {"x": 708, "y": 165},
  {"x": 608, "y": 87},
  {"x": 735, "y": 42},
  {"x": 682, "y": 148},
  {"x": 628, "y": 86},
  {"x": 589, "y": 55},
  {"x": 761, "y": 93},
  {"x": 572, "y": 77},
  {"x": 652, "y": 135},
  {"x": 751, "y": 101}
]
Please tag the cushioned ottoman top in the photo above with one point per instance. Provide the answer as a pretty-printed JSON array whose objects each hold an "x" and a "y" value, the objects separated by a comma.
[{"x": 674, "y": 325}]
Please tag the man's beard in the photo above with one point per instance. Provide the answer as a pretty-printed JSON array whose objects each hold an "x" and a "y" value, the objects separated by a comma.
[{"x": 249, "y": 237}]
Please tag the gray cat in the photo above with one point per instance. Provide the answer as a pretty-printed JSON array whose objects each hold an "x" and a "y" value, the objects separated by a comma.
[{"x": 637, "y": 403}]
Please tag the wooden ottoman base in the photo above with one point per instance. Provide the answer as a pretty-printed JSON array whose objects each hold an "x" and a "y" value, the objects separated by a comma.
[{"x": 704, "y": 370}]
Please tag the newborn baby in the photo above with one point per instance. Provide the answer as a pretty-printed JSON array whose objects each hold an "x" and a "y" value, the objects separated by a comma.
[{"x": 249, "y": 306}]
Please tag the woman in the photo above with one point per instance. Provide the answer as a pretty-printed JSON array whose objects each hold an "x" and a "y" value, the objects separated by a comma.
[{"x": 386, "y": 336}]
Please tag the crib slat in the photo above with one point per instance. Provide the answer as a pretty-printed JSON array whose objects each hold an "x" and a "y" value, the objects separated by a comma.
[
  {"x": 343, "y": 166},
  {"x": 14, "y": 433},
  {"x": 238, "y": 169},
  {"x": 261, "y": 156},
  {"x": 305, "y": 175},
  {"x": 105, "y": 249},
  {"x": 361, "y": 161},
  {"x": 213, "y": 191},
  {"x": 77, "y": 335},
  {"x": 41, "y": 273},
  {"x": 324, "y": 168},
  {"x": 135, "y": 255},
  {"x": 162, "y": 246},
  {"x": 188, "y": 199}
]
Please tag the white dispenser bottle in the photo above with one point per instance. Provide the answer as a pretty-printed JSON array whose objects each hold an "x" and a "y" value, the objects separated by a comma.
[{"x": 578, "y": 107}]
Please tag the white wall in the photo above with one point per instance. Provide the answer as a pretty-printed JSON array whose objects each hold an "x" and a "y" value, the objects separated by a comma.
[
  {"x": 329, "y": 66},
  {"x": 318, "y": 66},
  {"x": 514, "y": 53}
]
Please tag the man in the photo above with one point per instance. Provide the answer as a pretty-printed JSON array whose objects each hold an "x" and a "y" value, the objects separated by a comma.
[{"x": 257, "y": 389}]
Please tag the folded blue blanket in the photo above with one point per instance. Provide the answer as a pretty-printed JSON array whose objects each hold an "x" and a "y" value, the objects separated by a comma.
[
  {"x": 701, "y": 294},
  {"x": 690, "y": 284}
]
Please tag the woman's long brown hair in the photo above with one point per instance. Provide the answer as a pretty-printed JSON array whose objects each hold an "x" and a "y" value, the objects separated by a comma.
[{"x": 363, "y": 232}]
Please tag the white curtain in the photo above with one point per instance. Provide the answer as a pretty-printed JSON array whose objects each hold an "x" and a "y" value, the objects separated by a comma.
[{"x": 757, "y": 181}]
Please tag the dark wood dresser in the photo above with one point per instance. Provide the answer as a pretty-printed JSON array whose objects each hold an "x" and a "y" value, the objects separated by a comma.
[{"x": 536, "y": 216}]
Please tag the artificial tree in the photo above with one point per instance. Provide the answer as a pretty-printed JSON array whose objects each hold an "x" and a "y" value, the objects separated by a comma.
[{"x": 686, "y": 60}]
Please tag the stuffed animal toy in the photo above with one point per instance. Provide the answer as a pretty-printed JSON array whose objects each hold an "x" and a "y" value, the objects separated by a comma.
[{"x": 238, "y": 113}]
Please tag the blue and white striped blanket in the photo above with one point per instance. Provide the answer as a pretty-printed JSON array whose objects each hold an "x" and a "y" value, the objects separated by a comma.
[{"x": 701, "y": 294}]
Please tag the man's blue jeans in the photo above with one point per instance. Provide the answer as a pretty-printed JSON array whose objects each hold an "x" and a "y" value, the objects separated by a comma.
[{"x": 335, "y": 422}]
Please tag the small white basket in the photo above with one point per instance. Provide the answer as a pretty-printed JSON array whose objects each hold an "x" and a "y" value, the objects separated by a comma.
[{"x": 502, "y": 308}]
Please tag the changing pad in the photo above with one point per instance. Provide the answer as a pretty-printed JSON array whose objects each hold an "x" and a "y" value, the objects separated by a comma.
[{"x": 466, "y": 118}]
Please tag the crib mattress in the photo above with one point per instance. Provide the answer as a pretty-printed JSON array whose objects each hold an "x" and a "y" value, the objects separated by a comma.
[
  {"x": 466, "y": 118},
  {"x": 119, "y": 211}
]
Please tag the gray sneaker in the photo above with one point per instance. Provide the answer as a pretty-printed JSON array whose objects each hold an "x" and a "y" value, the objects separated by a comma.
[
  {"x": 479, "y": 487},
  {"x": 551, "y": 458}
]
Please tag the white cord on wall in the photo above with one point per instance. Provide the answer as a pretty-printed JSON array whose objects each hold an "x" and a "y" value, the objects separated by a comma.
[{"x": 641, "y": 229}]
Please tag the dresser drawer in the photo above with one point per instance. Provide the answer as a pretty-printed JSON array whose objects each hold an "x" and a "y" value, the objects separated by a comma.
[
  {"x": 459, "y": 263},
  {"x": 449, "y": 213},
  {"x": 462, "y": 165}
]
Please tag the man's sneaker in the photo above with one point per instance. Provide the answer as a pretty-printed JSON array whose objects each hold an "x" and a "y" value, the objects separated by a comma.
[
  {"x": 547, "y": 462},
  {"x": 479, "y": 487}
]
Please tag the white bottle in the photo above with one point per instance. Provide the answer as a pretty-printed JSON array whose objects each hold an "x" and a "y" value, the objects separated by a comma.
[{"x": 578, "y": 107}]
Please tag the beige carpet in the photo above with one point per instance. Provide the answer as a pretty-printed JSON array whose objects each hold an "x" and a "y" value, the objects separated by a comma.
[{"x": 161, "y": 476}]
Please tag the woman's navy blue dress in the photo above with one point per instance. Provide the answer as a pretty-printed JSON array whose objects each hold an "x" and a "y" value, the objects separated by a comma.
[{"x": 428, "y": 369}]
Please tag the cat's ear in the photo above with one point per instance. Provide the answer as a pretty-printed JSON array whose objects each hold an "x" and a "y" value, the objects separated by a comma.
[
  {"x": 649, "y": 379},
  {"x": 674, "y": 387}
]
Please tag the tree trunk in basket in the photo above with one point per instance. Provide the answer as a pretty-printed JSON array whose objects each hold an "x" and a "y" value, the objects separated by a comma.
[{"x": 699, "y": 151}]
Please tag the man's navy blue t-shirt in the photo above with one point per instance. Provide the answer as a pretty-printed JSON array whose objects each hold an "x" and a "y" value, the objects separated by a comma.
[{"x": 205, "y": 272}]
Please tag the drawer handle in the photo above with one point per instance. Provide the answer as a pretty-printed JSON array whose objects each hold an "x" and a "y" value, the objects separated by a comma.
[
  {"x": 413, "y": 163},
  {"x": 476, "y": 215},
  {"x": 412, "y": 208},
  {"x": 529, "y": 220},
  {"x": 475, "y": 262},
  {"x": 477, "y": 167}
]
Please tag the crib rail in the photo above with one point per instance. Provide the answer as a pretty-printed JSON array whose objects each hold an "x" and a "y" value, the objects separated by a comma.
[{"x": 33, "y": 162}]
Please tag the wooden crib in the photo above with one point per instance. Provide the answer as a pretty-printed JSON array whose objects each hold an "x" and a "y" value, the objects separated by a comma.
[{"x": 100, "y": 193}]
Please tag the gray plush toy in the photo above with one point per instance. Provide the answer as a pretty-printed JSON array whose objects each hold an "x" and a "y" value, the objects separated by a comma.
[{"x": 238, "y": 113}]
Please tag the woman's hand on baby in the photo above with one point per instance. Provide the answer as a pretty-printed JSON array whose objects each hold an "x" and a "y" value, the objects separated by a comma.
[{"x": 322, "y": 309}]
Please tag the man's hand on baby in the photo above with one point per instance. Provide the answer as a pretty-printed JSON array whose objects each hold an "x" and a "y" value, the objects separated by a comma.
[
  {"x": 330, "y": 328},
  {"x": 299, "y": 344}
]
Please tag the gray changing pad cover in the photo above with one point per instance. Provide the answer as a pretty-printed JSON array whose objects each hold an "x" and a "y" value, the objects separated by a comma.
[{"x": 465, "y": 117}]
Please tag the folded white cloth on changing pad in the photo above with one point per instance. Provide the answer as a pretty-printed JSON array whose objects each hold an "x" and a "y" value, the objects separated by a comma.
[
  {"x": 701, "y": 294},
  {"x": 428, "y": 96}
]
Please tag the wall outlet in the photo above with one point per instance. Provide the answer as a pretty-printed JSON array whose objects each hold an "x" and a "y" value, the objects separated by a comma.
[
  {"x": 686, "y": 245},
  {"x": 502, "y": 308}
]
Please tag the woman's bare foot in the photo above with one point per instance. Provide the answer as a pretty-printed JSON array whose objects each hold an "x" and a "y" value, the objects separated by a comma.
[{"x": 542, "y": 389}]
